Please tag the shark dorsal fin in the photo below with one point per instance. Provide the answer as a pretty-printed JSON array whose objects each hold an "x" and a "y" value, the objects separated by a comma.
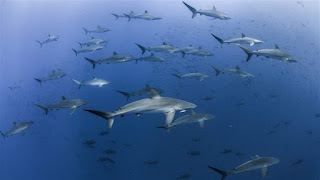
[
  {"x": 237, "y": 68},
  {"x": 192, "y": 112},
  {"x": 49, "y": 35},
  {"x": 190, "y": 45},
  {"x": 147, "y": 86},
  {"x": 164, "y": 43},
  {"x": 276, "y": 46},
  {"x": 145, "y": 11},
  {"x": 255, "y": 157},
  {"x": 214, "y": 8},
  {"x": 243, "y": 35},
  {"x": 115, "y": 53},
  {"x": 53, "y": 71},
  {"x": 152, "y": 54},
  {"x": 154, "y": 94},
  {"x": 92, "y": 37},
  {"x": 98, "y": 26},
  {"x": 131, "y": 12},
  {"x": 94, "y": 77},
  {"x": 64, "y": 98},
  {"x": 14, "y": 123},
  {"x": 200, "y": 47}
]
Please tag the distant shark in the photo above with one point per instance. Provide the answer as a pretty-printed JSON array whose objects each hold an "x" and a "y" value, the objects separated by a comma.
[
  {"x": 72, "y": 104},
  {"x": 97, "y": 30},
  {"x": 93, "y": 82},
  {"x": 275, "y": 53},
  {"x": 197, "y": 52},
  {"x": 151, "y": 58},
  {"x": 145, "y": 16},
  {"x": 54, "y": 75},
  {"x": 198, "y": 76},
  {"x": 86, "y": 49},
  {"x": 50, "y": 38},
  {"x": 255, "y": 163},
  {"x": 243, "y": 40},
  {"x": 237, "y": 71},
  {"x": 115, "y": 58},
  {"x": 163, "y": 48},
  {"x": 118, "y": 16},
  {"x": 93, "y": 41},
  {"x": 211, "y": 13},
  {"x": 17, "y": 128},
  {"x": 144, "y": 91},
  {"x": 155, "y": 104}
]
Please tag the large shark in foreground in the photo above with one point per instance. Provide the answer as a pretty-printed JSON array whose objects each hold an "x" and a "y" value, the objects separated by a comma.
[
  {"x": 72, "y": 104},
  {"x": 50, "y": 38},
  {"x": 140, "y": 92},
  {"x": 54, "y": 75},
  {"x": 242, "y": 40},
  {"x": 211, "y": 13},
  {"x": 115, "y": 58},
  {"x": 255, "y": 163},
  {"x": 190, "y": 118},
  {"x": 237, "y": 71},
  {"x": 145, "y": 16},
  {"x": 163, "y": 48},
  {"x": 275, "y": 53},
  {"x": 93, "y": 82},
  {"x": 17, "y": 128},
  {"x": 97, "y": 30},
  {"x": 155, "y": 104}
]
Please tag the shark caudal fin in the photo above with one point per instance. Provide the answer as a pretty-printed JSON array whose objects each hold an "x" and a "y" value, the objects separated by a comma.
[
  {"x": 39, "y": 80},
  {"x": 176, "y": 75},
  {"x": 4, "y": 136},
  {"x": 219, "y": 39},
  {"x": 128, "y": 95},
  {"x": 75, "y": 51},
  {"x": 85, "y": 30},
  {"x": 216, "y": 69},
  {"x": 128, "y": 16},
  {"x": 39, "y": 43},
  {"x": 142, "y": 48},
  {"x": 247, "y": 51},
  {"x": 115, "y": 15},
  {"x": 45, "y": 108},
  {"x": 192, "y": 9},
  {"x": 223, "y": 173},
  {"x": 104, "y": 114},
  {"x": 77, "y": 82},
  {"x": 91, "y": 61},
  {"x": 80, "y": 44}
]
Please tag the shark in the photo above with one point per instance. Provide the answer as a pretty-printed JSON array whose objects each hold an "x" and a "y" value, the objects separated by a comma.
[
  {"x": 190, "y": 118},
  {"x": 214, "y": 13},
  {"x": 275, "y": 53},
  {"x": 197, "y": 52},
  {"x": 50, "y": 38},
  {"x": 93, "y": 82},
  {"x": 17, "y": 128},
  {"x": 151, "y": 58},
  {"x": 237, "y": 71},
  {"x": 155, "y": 104},
  {"x": 185, "y": 49},
  {"x": 93, "y": 41},
  {"x": 255, "y": 163},
  {"x": 242, "y": 40},
  {"x": 14, "y": 87},
  {"x": 97, "y": 30},
  {"x": 115, "y": 58},
  {"x": 144, "y": 16},
  {"x": 198, "y": 76},
  {"x": 72, "y": 104},
  {"x": 86, "y": 49},
  {"x": 118, "y": 16},
  {"x": 54, "y": 75},
  {"x": 141, "y": 92},
  {"x": 163, "y": 48}
]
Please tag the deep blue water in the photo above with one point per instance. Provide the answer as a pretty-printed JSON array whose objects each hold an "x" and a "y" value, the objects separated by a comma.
[{"x": 279, "y": 93}]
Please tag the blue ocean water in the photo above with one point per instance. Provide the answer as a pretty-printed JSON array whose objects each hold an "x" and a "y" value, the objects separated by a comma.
[{"x": 274, "y": 114}]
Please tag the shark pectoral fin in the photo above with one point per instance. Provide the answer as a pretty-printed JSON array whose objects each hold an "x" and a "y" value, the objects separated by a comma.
[
  {"x": 73, "y": 110},
  {"x": 201, "y": 123},
  {"x": 169, "y": 117},
  {"x": 264, "y": 171},
  {"x": 251, "y": 43},
  {"x": 110, "y": 122},
  {"x": 138, "y": 114}
]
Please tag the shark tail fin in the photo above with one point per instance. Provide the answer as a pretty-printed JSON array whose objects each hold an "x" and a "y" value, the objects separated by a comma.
[
  {"x": 176, "y": 75},
  {"x": 223, "y": 173},
  {"x": 115, "y": 15},
  {"x": 39, "y": 43},
  {"x": 39, "y": 80},
  {"x": 128, "y": 16},
  {"x": 216, "y": 69},
  {"x": 128, "y": 95},
  {"x": 247, "y": 51},
  {"x": 4, "y": 136},
  {"x": 142, "y": 48},
  {"x": 192, "y": 9},
  {"x": 80, "y": 44},
  {"x": 91, "y": 61},
  {"x": 85, "y": 30},
  {"x": 77, "y": 82},
  {"x": 218, "y": 39},
  {"x": 45, "y": 108},
  {"x": 104, "y": 114},
  {"x": 75, "y": 51}
]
